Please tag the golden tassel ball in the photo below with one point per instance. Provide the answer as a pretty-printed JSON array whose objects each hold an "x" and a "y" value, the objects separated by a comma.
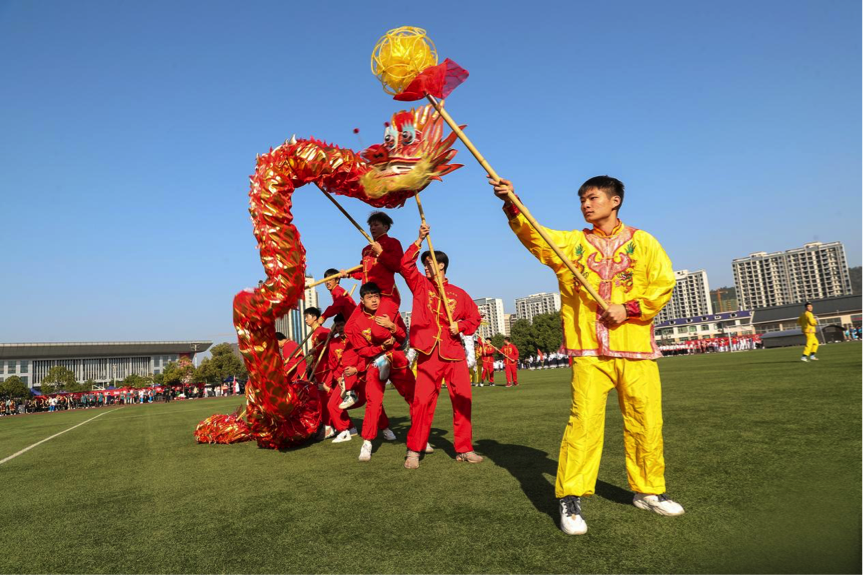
[{"x": 400, "y": 55}]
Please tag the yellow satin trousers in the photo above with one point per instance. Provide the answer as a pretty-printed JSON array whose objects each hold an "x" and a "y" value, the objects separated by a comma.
[
  {"x": 811, "y": 344},
  {"x": 640, "y": 398}
]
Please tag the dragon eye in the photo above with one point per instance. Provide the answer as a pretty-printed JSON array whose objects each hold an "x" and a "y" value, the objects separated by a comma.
[
  {"x": 408, "y": 135},
  {"x": 390, "y": 137}
]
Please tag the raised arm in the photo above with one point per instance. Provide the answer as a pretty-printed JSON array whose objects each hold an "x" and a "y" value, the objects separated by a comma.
[
  {"x": 408, "y": 269},
  {"x": 528, "y": 236}
]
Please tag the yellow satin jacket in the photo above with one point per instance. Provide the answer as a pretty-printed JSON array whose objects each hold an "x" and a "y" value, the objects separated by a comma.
[
  {"x": 628, "y": 267},
  {"x": 807, "y": 322}
]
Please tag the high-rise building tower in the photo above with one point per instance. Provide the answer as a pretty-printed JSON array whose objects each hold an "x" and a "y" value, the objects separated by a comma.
[
  {"x": 691, "y": 297},
  {"x": 536, "y": 304},
  {"x": 815, "y": 271},
  {"x": 491, "y": 310}
]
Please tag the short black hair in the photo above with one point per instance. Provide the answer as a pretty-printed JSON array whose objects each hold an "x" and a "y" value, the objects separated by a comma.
[
  {"x": 338, "y": 318},
  {"x": 507, "y": 339},
  {"x": 808, "y": 303},
  {"x": 380, "y": 217},
  {"x": 331, "y": 272},
  {"x": 312, "y": 311},
  {"x": 611, "y": 187},
  {"x": 280, "y": 336},
  {"x": 369, "y": 288},
  {"x": 439, "y": 255}
]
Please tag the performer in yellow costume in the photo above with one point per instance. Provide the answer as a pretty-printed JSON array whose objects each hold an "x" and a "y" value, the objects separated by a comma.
[
  {"x": 611, "y": 349},
  {"x": 807, "y": 324}
]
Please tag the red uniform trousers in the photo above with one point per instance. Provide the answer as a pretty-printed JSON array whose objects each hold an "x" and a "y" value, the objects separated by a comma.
[
  {"x": 376, "y": 418},
  {"x": 487, "y": 370},
  {"x": 339, "y": 418},
  {"x": 431, "y": 371},
  {"x": 511, "y": 374},
  {"x": 326, "y": 396}
]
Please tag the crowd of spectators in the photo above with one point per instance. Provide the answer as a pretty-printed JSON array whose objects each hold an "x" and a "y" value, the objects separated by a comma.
[{"x": 93, "y": 399}]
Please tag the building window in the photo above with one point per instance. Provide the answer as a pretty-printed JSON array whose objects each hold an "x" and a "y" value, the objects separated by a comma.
[
  {"x": 23, "y": 367},
  {"x": 10, "y": 367},
  {"x": 24, "y": 380}
]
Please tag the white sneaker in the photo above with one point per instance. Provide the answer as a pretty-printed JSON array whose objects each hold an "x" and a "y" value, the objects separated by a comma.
[
  {"x": 349, "y": 400},
  {"x": 813, "y": 358},
  {"x": 329, "y": 432},
  {"x": 388, "y": 434},
  {"x": 342, "y": 437},
  {"x": 658, "y": 504},
  {"x": 366, "y": 451},
  {"x": 571, "y": 521},
  {"x": 429, "y": 448},
  {"x": 804, "y": 358}
]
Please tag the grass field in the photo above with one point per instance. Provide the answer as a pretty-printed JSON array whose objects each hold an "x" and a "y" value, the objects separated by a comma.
[{"x": 763, "y": 450}]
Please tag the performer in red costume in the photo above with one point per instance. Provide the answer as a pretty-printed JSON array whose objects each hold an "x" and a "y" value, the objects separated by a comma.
[
  {"x": 510, "y": 362},
  {"x": 440, "y": 354},
  {"x": 376, "y": 333},
  {"x": 343, "y": 303},
  {"x": 338, "y": 356},
  {"x": 292, "y": 354},
  {"x": 381, "y": 259},
  {"x": 488, "y": 362},
  {"x": 319, "y": 339}
]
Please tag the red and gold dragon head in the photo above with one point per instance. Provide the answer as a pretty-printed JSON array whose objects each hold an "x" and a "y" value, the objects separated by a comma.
[{"x": 413, "y": 154}]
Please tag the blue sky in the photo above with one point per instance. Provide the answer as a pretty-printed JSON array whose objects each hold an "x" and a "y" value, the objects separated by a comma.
[{"x": 128, "y": 132}]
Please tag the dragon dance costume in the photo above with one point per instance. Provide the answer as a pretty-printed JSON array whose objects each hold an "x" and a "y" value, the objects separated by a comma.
[{"x": 629, "y": 268}]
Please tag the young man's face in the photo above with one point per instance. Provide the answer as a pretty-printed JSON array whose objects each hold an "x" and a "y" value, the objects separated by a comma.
[
  {"x": 339, "y": 328},
  {"x": 377, "y": 229},
  {"x": 331, "y": 285},
  {"x": 597, "y": 206},
  {"x": 809, "y": 308},
  {"x": 309, "y": 319},
  {"x": 371, "y": 301},
  {"x": 429, "y": 267}
]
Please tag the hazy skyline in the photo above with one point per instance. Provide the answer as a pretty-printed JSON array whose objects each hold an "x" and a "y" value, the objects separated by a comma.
[{"x": 129, "y": 132}]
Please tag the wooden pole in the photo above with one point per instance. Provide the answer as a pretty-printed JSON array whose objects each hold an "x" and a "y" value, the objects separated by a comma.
[
  {"x": 321, "y": 355},
  {"x": 435, "y": 270},
  {"x": 512, "y": 198},
  {"x": 347, "y": 215},
  {"x": 333, "y": 277}
]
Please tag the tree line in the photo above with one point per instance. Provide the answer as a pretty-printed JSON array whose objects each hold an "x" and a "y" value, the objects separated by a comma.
[{"x": 545, "y": 334}]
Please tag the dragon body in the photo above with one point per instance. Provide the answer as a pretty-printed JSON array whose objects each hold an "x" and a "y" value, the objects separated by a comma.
[{"x": 279, "y": 413}]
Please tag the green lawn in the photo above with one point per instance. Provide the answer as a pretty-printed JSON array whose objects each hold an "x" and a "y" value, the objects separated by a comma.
[{"x": 763, "y": 450}]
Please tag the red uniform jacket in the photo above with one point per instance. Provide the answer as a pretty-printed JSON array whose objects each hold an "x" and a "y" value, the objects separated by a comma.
[
  {"x": 488, "y": 352},
  {"x": 367, "y": 338},
  {"x": 289, "y": 348},
  {"x": 343, "y": 304},
  {"x": 382, "y": 269},
  {"x": 429, "y": 322},
  {"x": 510, "y": 353},
  {"x": 335, "y": 363},
  {"x": 319, "y": 338}
]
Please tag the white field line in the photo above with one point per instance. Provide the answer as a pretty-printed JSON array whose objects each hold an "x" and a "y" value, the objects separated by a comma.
[{"x": 26, "y": 449}]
